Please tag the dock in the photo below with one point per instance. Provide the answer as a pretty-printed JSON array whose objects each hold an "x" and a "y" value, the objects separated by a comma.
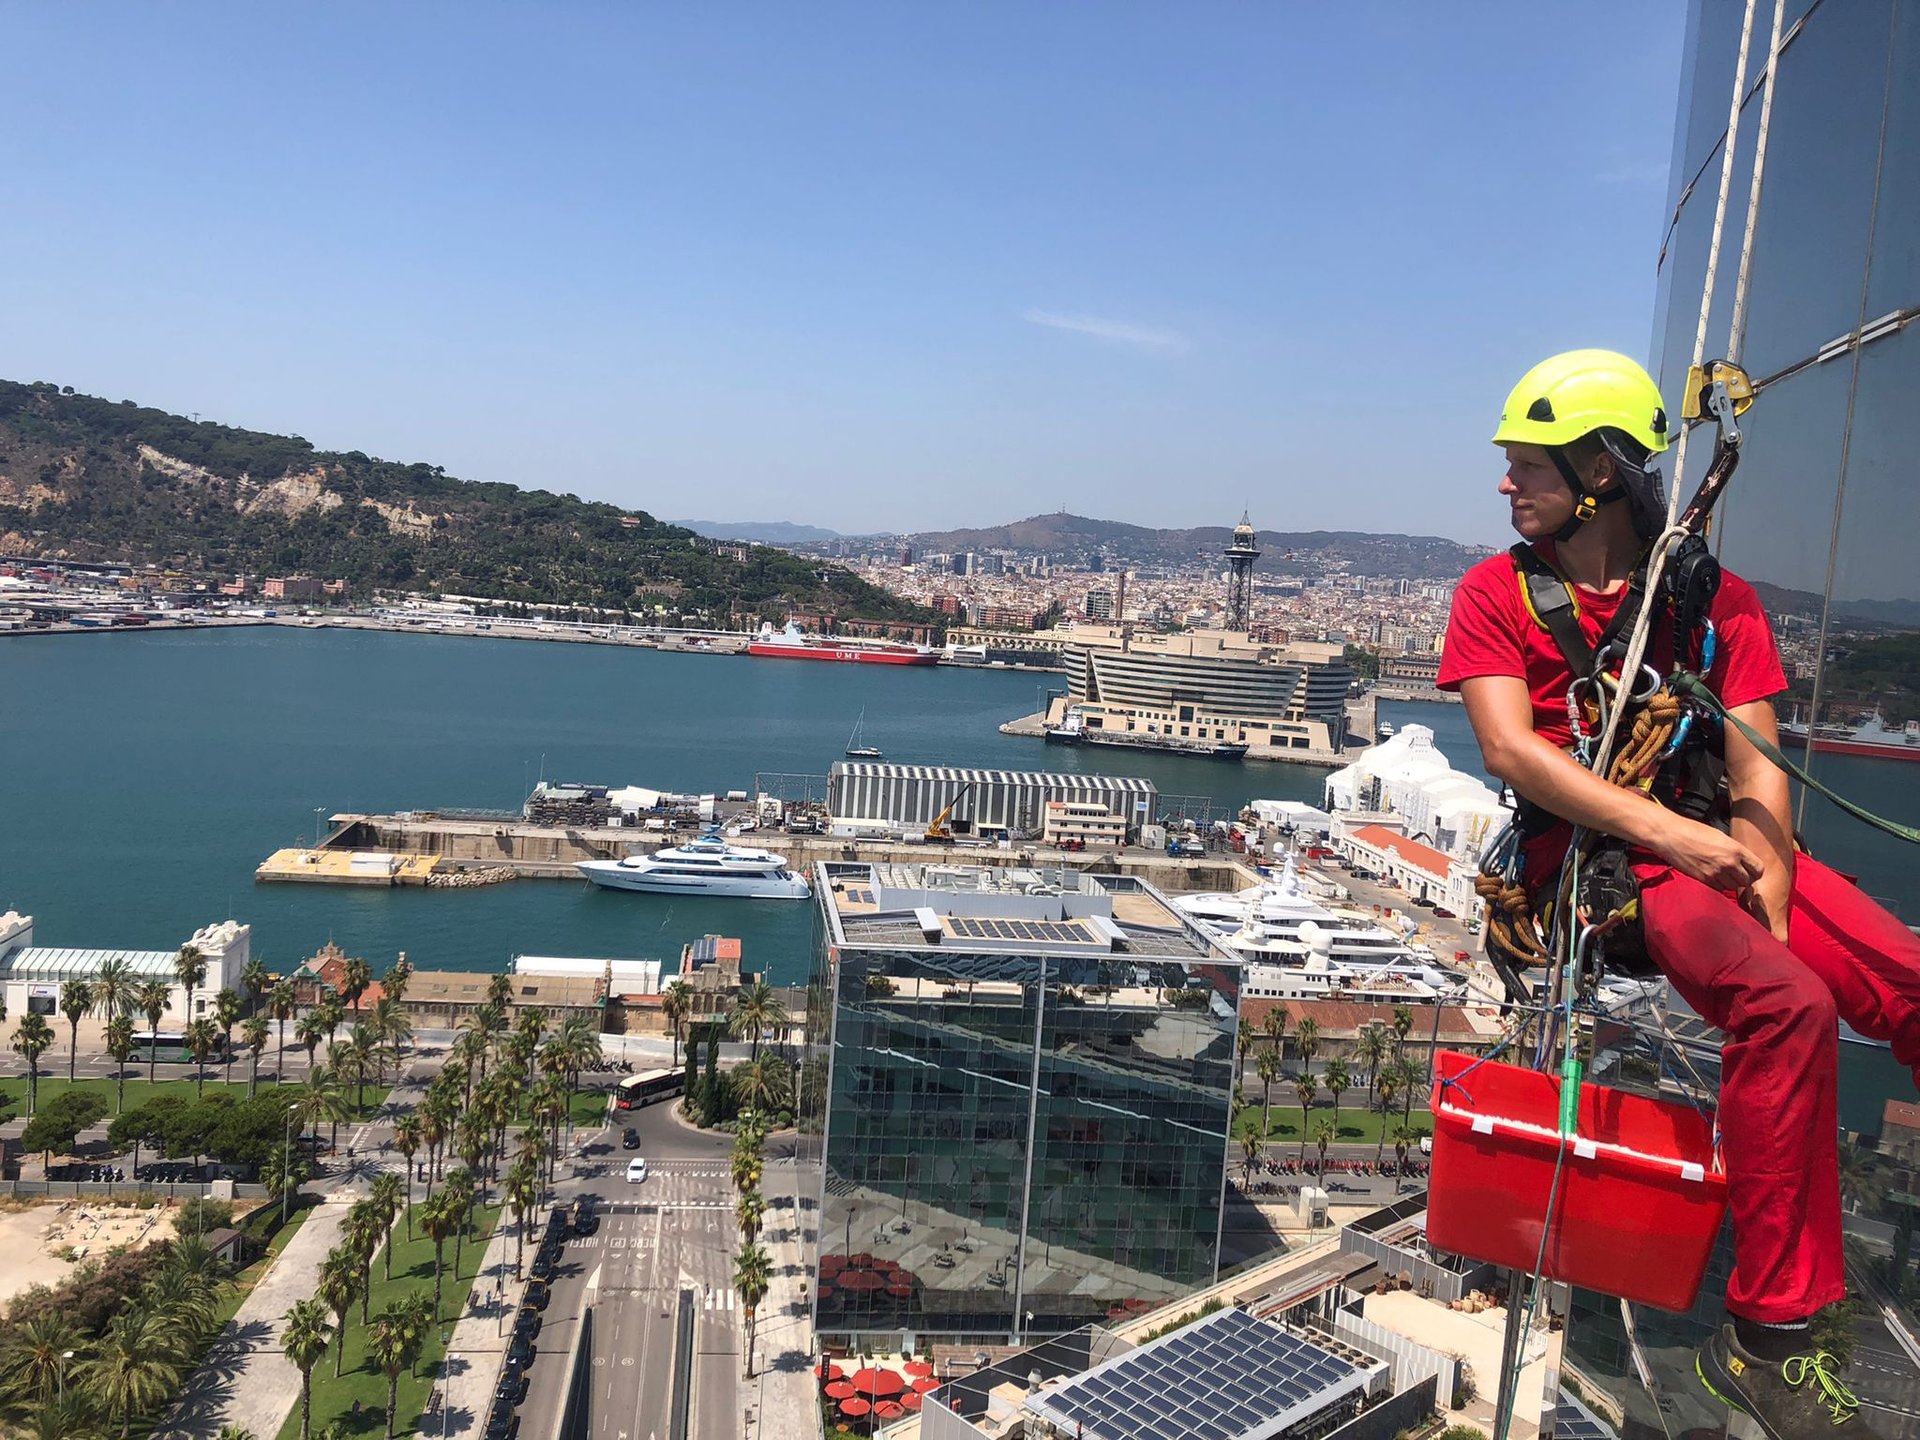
[{"x": 346, "y": 867}]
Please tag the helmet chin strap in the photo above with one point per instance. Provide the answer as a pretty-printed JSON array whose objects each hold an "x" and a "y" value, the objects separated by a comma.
[{"x": 1586, "y": 502}]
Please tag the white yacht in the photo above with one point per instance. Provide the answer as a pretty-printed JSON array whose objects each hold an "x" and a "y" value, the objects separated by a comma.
[
  {"x": 1279, "y": 927},
  {"x": 707, "y": 866}
]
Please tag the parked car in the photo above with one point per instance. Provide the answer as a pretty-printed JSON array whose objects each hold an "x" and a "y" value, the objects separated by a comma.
[
  {"x": 538, "y": 1293},
  {"x": 585, "y": 1218},
  {"x": 512, "y": 1388},
  {"x": 1441, "y": 912},
  {"x": 636, "y": 1170},
  {"x": 505, "y": 1425}
]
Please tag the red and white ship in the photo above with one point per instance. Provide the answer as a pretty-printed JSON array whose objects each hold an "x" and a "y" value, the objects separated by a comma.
[
  {"x": 1870, "y": 737},
  {"x": 794, "y": 644}
]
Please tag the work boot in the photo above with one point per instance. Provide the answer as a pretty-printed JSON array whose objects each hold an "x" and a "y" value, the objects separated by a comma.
[{"x": 1800, "y": 1398}]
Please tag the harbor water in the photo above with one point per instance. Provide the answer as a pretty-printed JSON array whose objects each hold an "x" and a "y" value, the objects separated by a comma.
[{"x": 143, "y": 777}]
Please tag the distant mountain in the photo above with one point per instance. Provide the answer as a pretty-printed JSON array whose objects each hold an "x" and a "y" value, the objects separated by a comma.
[
  {"x": 87, "y": 479},
  {"x": 1077, "y": 539},
  {"x": 1892, "y": 614},
  {"x": 767, "y": 532}
]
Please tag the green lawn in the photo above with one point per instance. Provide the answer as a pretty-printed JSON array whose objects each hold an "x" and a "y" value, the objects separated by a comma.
[
  {"x": 1357, "y": 1126},
  {"x": 360, "y": 1380},
  {"x": 141, "y": 1090}
]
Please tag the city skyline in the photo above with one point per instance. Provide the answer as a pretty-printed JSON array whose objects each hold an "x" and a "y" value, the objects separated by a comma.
[{"x": 871, "y": 271}]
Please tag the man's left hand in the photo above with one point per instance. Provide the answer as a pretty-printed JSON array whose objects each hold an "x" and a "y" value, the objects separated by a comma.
[{"x": 1770, "y": 901}]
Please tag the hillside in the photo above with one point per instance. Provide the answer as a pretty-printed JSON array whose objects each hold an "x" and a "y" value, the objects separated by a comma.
[
  {"x": 88, "y": 479},
  {"x": 767, "y": 532},
  {"x": 1077, "y": 538}
]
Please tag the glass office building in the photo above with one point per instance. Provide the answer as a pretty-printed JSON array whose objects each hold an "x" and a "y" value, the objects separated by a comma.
[
  {"x": 1022, "y": 1083},
  {"x": 1821, "y": 515}
]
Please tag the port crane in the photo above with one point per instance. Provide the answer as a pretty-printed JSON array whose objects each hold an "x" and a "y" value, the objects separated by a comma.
[{"x": 939, "y": 831}]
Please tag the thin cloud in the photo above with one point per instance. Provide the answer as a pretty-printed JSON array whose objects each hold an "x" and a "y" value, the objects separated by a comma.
[{"x": 1113, "y": 332}]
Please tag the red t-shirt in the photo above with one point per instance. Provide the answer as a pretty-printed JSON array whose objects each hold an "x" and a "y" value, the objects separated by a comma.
[{"x": 1490, "y": 633}]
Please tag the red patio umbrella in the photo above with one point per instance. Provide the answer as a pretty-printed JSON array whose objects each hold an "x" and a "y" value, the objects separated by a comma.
[
  {"x": 861, "y": 1280},
  {"x": 827, "y": 1370},
  {"x": 926, "y": 1383},
  {"x": 917, "y": 1368},
  {"x": 878, "y": 1382},
  {"x": 854, "y": 1408},
  {"x": 900, "y": 1292},
  {"x": 889, "y": 1410},
  {"x": 841, "y": 1390},
  {"x": 911, "y": 1400}
]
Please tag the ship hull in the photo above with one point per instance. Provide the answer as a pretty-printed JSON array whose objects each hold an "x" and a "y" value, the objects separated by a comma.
[
  {"x": 1866, "y": 748},
  {"x": 610, "y": 875},
  {"x": 853, "y": 654}
]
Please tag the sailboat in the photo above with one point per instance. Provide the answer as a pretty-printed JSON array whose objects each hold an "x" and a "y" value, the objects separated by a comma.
[{"x": 857, "y": 751}]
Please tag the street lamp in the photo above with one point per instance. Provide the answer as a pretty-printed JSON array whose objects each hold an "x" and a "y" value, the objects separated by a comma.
[
  {"x": 286, "y": 1164},
  {"x": 60, "y": 1375}
]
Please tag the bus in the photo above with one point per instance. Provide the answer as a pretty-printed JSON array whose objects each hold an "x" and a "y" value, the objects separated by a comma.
[
  {"x": 169, "y": 1047},
  {"x": 638, "y": 1091}
]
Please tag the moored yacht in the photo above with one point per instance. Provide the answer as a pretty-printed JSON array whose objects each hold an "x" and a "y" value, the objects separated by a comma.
[{"x": 707, "y": 866}]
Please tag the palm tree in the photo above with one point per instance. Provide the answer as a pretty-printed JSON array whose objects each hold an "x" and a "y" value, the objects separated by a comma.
[
  {"x": 394, "y": 1342},
  {"x": 233, "y": 1432},
  {"x": 1275, "y": 1026},
  {"x": 440, "y": 1219},
  {"x": 136, "y": 1364},
  {"x": 360, "y": 1234},
  {"x": 309, "y": 1030},
  {"x": 203, "y": 1042},
  {"x": 1403, "y": 1140},
  {"x": 1306, "y": 1039},
  {"x": 317, "y": 1099},
  {"x": 305, "y": 1340},
  {"x": 34, "y": 1363},
  {"x": 226, "y": 1010},
  {"x": 120, "y": 1047},
  {"x": 1863, "y": 1185},
  {"x": 1389, "y": 1087},
  {"x": 1250, "y": 1151},
  {"x": 392, "y": 1028},
  {"x": 114, "y": 987},
  {"x": 256, "y": 980},
  {"x": 407, "y": 1140},
  {"x": 190, "y": 969},
  {"x": 1402, "y": 1026},
  {"x": 1243, "y": 1042},
  {"x": 500, "y": 991},
  {"x": 280, "y": 1005},
  {"x": 339, "y": 1283},
  {"x": 76, "y": 999},
  {"x": 1337, "y": 1082},
  {"x": 1306, "y": 1087},
  {"x": 436, "y": 1124},
  {"x": 355, "y": 978},
  {"x": 676, "y": 1004},
  {"x": 1323, "y": 1137},
  {"x": 756, "y": 1008},
  {"x": 579, "y": 1046},
  {"x": 388, "y": 1193},
  {"x": 1267, "y": 1067},
  {"x": 1372, "y": 1050},
  {"x": 398, "y": 976},
  {"x": 253, "y": 1034},
  {"x": 31, "y": 1037},
  {"x": 752, "y": 1269},
  {"x": 523, "y": 1198},
  {"x": 352, "y": 1061},
  {"x": 764, "y": 1086},
  {"x": 152, "y": 1000},
  {"x": 65, "y": 1417},
  {"x": 331, "y": 1015},
  {"x": 750, "y": 1210},
  {"x": 745, "y": 1168},
  {"x": 458, "y": 1193}
]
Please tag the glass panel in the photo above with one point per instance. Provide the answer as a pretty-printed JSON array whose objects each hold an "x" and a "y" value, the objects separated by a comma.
[
  {"x": 1136, "y": 1086},
  {"x": 1811, "y": 237},
  {"x": 1684, "y": 273},
  {"x": 1870, "y": 675},
  {"x": 927, "y": 1137},
  {"x": 1895, "y": 280}
]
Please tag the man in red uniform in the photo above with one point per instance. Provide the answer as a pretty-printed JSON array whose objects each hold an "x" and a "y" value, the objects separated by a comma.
[{"x": 1768, "y": 945}]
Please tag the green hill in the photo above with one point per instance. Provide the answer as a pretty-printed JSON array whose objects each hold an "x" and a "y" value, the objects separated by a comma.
[{"x": 87, "y": 479}]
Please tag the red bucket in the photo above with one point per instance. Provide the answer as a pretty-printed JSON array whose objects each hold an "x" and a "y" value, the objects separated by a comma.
[{"x": 1641, "y": 1196}]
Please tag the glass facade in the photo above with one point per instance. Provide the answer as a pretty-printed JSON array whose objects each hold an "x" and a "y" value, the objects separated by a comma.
[
  {"x": 1821, "y": 517},
  {"x": 1016, "y": 1140}
]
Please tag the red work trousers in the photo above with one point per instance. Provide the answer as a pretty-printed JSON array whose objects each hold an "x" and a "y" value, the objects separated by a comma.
[{"x": 1779, "y": 1107}]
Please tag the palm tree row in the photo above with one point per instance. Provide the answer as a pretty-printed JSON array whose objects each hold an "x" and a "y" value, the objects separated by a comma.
[
  {"x": 752, "y": 1266},
  {"x": 63, "y": 1381}
]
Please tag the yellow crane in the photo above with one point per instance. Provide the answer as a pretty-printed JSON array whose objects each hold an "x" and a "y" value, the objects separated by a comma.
[{"x": 938, "y": 831}]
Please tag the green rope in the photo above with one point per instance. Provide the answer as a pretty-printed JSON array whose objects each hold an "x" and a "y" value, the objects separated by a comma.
[{"x": 1694, "y": 688}]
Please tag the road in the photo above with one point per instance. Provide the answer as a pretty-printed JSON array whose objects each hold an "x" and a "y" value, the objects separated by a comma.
[{"x": 670, "y": 1235}]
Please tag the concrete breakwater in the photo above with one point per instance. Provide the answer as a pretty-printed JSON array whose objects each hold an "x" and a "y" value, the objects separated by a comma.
[{"x": 455, "y": 849}]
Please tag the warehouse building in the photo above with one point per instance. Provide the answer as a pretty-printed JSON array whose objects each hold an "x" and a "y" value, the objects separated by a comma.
[{"x": 871, "y": 798}]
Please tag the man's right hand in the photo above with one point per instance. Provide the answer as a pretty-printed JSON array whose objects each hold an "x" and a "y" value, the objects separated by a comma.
[{"x": 1702, "y": 853}]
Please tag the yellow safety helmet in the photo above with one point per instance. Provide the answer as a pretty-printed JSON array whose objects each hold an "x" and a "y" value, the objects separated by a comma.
[{"x": 1581, "y": 391}]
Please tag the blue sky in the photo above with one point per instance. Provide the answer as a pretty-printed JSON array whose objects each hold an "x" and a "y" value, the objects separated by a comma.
[{"x": 869, "y": 267}]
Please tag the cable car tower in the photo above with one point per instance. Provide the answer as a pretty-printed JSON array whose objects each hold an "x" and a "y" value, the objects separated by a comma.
[{"x": 1240, "y": 557}]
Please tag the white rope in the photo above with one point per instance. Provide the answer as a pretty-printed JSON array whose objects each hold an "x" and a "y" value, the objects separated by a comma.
[{"x": 1737, "y": 329}]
